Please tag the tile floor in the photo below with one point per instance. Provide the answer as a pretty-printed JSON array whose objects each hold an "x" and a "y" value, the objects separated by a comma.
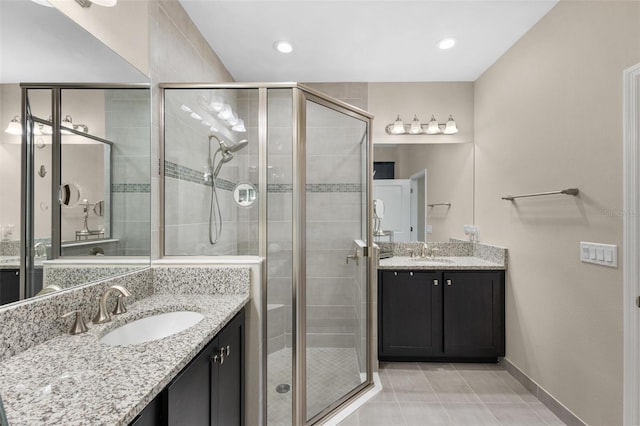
[
  {"x": 450, "y": 394},
  {"x": 331, "y": 373}
]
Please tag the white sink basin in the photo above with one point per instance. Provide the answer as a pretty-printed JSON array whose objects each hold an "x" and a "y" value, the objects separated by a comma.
[{"x": 152, "y": 328}]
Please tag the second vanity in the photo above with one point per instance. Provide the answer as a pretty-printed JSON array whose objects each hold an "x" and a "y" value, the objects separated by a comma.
[
  {"x": 77, "y": 379},
  {"x": 448, "y": 307}
]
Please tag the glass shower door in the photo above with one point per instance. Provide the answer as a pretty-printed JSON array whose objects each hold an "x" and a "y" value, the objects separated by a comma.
[{"x": 336, "y": 266}]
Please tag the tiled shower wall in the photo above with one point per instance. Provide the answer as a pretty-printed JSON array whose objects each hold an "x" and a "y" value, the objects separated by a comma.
[
  {"x": 188, "y": 195},
  {"x": 127, "y": 124}
]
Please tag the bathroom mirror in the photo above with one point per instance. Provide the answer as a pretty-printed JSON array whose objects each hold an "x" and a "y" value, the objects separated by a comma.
[
  {"x": 245, "y": 194},
  {"x": 448, "y": 203},
  {"x": 113, "y": 177}
]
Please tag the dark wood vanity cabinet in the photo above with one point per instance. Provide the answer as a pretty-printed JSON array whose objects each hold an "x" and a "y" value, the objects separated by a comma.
[
  {"x": 209, "y": 390},
  {"x": 9, "y": 285},
  {"x": 440, "y": 315},
  {"x": 410, "y": 314}
]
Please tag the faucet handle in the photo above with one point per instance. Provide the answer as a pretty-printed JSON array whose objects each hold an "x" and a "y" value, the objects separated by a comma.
[
  {"x": 79, "y": 326},
  {"x": 120, "y": 306}
]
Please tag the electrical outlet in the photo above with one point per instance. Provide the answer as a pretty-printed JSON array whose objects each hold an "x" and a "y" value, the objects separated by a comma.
[
  {"x": 429, "y": 229},
  {"x": 599, "y": 254}
]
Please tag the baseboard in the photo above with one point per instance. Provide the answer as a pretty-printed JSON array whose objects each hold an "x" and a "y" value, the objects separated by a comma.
[{"x": 563, "y": 413}]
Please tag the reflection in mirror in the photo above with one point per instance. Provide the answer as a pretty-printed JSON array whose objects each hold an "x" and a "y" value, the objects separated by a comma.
[
  {"x": 118, "y": 208},
  {"x": 245, "y": 194},
  {"x": 69, "y": 194},
  {"x": 441, "y": 176}
]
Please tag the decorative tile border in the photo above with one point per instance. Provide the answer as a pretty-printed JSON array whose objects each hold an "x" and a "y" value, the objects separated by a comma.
[
  {"x": 188, "y": 174},
  {"x": 131, "y": 187},
  {"x": 317, "y": 187}
]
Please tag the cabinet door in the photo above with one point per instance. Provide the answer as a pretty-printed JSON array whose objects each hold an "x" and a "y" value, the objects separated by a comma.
[
  {"x": 152, "y": 415},
  {"x": 9, "y": 286},
  {"x": 474, "y": 314},
  {"x": 227, "y": 380},
  {"x": 189, "y": 394},
  {"x": 410, "y": 315}
]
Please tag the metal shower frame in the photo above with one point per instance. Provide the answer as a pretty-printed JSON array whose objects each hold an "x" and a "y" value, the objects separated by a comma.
[{"x": 300, "y": 93}]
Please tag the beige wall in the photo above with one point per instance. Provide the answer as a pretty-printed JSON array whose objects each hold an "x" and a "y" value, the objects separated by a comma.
[
  {"x": 123, "y": 28},
  {"x": 548, "y": 115}
]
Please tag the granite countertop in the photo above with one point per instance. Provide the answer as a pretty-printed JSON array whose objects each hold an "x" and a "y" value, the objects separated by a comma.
[
  {"x": 439, "y": 263},
  {"x": 13, "y": 262},
  {"x": 78, "y": 380}
]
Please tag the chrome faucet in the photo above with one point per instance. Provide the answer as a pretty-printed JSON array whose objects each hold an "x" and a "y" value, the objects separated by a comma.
[{"x": 103, "y": 316}]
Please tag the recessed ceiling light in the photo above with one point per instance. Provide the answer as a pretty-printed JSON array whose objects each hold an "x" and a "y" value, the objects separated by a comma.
[
  {"x": 446, "y": 43},
  {"x": 283, "y": 46}
]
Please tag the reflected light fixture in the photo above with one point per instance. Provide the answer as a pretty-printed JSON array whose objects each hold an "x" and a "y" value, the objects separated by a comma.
[
  {"x": 416, "y": 127},
  {"x": 14, "y": 127},
  {"x": 432, "y": 127},
  {"x": 68, "y": 123},
  {"x": 239, "y": 127},
  {"x": 398, "y": 126},
  {"x": 283, "y": 46},
  {"x": 451, "y": 128},
  {"x": 446, "y": 43},
  {"x": 105, "y": 3}
]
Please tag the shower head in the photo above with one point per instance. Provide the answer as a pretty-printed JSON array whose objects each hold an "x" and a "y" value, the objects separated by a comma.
[
  {"x": 229, "y": 147},
  {"x": 226, "y": 157},
  {"x": 235, "y": 147}
]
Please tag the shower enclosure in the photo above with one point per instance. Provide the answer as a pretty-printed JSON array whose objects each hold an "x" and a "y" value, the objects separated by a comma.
[{"x": 291, "y": 182}]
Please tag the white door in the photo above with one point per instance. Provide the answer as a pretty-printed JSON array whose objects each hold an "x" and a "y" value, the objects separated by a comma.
[{"x": 397, "y": 206}]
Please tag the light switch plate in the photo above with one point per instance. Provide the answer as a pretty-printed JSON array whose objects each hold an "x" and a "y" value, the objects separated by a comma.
[{"x": 599, "y": 254}]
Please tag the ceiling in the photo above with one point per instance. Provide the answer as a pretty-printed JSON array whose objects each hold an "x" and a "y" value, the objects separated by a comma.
[{"x": 363, "y": 41}]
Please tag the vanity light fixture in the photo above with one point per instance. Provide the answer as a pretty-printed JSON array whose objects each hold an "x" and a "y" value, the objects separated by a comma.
[
  {"x": 105, "y": 3},
  {"x": 397, "y": 128},
  {"x": 450, "y": 128},
  {"x": 14, "y": 127},
  {"x": 417, "y": 128},
  {"x": 432, "y": 127}
]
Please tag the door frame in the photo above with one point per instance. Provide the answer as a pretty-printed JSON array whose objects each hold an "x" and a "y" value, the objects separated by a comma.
[{"x": 631, "y": 244}]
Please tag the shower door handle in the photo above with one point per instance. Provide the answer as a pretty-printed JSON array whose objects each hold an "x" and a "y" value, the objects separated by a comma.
[{"x": 355, "y": 256}]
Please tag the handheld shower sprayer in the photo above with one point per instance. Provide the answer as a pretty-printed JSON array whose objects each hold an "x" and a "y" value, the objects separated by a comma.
[{"x": 226, "y": 151}]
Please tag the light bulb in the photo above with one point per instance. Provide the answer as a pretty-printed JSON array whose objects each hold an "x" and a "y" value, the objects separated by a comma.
[
  {"x": 217, "y": 103},
  {"x": 451, "y": 128},
  {"x": 433, "y": 128},
  {"x": 196, "y": 116},
  {"x": 233, "y": 120},
  {"x": 226, "y": 112},
  {"x": 447, "y": 43},
  {"x": 239, "y": 127},
  {"x": 398, "y": 126},
  {"x": 283, "y": 46},
  {"x": 14, "y": 127},
  {"x": 185, "y": 108},
  {"x": 416, "y": 127}
]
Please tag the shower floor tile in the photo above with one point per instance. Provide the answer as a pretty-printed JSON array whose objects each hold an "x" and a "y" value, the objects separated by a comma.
[
  {"x": 417, "y": 393},
  {"x": 331, "y": 373}
]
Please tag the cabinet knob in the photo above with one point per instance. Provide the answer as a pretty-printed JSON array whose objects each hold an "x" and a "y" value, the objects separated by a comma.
[
  {"x": 411, "y": 273},
  {"x": 435, "y": 282},
  {"x": 395, "y": 274},
  {"x": 448, "y": 282},
  {"x": 228, "y": 350}
]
